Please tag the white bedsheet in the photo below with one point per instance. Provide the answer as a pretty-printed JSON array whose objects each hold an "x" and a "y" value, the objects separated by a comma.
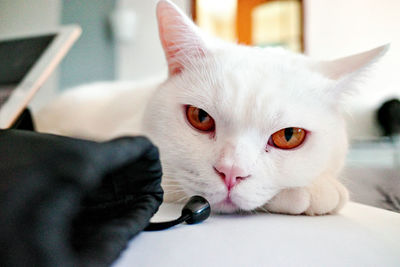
[{"x": 359, "y": 236}]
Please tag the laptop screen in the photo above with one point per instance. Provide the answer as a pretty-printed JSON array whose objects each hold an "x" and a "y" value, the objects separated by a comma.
[{"x": 16, "y": 59}]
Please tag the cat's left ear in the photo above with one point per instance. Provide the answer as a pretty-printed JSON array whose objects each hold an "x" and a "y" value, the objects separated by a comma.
[
  {"x": 180, "y": 38},
  {"x": 350, "y": 66}
]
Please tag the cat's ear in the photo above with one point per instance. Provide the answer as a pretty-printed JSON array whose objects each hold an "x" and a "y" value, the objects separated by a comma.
[
  {"x": 351, "y": 65},
  {"x": 179, "y": 37}
]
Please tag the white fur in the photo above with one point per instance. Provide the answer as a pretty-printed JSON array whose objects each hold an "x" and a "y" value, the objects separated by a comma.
[{"x": 251, "y": 93}]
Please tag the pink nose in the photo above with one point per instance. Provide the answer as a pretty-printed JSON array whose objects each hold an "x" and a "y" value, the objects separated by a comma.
[{"x": 231, "y": 175}]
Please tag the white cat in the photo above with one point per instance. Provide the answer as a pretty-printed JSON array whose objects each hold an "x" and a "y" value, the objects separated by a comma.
[{"x": 244, "y": 127}]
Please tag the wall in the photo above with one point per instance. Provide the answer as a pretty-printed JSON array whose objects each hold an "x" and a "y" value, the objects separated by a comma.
[
  {"x": 16, "y": 15},
  {"x": 342, "y": 27},
  {"x": 92, "y": 56},
  {"x": 143, "y": 57}
]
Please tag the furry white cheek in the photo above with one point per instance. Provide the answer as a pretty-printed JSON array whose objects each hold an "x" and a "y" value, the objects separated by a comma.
[
  {"x": 254, "y": 193},
  {"x": 298, "y": 168}
]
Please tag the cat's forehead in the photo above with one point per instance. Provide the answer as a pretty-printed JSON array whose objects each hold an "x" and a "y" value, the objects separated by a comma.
[
  {"x": 244, "y": 77},
  {"x": 246, "y": 71},
  {"x": 258, "y": 68},
  {"x": 253, "y": 87}
]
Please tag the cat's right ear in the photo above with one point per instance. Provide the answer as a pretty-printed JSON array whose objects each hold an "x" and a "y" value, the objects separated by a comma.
[
  {"x": 179, "y": 37},
  {"x": 351, "y": 65}
]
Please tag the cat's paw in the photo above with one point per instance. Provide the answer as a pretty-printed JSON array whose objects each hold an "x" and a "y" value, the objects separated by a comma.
[
  {"x": 290, "y": 201},
  {"x": 324, "y": 196}
]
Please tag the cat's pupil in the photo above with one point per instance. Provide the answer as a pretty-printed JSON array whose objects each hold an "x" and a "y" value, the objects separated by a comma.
[
  {"x": 288, "y": 133},
  {"x": 202, "y": 115}
]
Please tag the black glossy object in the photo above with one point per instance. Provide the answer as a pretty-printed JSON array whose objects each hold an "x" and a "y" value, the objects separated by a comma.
[{"x": 197, "y": 208}]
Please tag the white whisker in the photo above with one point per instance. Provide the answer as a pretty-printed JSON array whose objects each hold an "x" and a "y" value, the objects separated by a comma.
[{"x": 182, "y": 199}]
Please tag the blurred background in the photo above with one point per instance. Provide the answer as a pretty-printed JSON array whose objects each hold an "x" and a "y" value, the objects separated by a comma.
[{"x": 120, "y": 42}]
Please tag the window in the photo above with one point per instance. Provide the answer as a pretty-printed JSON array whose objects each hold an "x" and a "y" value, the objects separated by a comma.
[{"x": 253, "y": 22}]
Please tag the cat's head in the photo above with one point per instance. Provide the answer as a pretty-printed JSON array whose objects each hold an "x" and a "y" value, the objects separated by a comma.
[{"x": 237, "y": 124}]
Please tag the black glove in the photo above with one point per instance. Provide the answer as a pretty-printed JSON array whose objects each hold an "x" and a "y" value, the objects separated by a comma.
[{"x": 70, "y": 202}]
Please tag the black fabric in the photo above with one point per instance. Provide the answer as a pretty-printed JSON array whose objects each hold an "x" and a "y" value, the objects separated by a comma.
[{"x": 70, "y": 202}]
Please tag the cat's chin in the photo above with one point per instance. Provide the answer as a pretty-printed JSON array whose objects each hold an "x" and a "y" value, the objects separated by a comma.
[{"x": 225, "y": 206}]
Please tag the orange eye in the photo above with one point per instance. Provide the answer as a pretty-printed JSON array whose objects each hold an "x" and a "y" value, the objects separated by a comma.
[
  {"x": 200, "y": 119},
  {"x": 288, "y": 138}
]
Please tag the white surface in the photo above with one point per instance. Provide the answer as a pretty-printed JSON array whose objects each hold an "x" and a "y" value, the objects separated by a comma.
[{"x": 358, "y": 236}]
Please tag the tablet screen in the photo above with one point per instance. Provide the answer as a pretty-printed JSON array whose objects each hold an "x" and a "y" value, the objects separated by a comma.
[{"x": 16, "y": 59}]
